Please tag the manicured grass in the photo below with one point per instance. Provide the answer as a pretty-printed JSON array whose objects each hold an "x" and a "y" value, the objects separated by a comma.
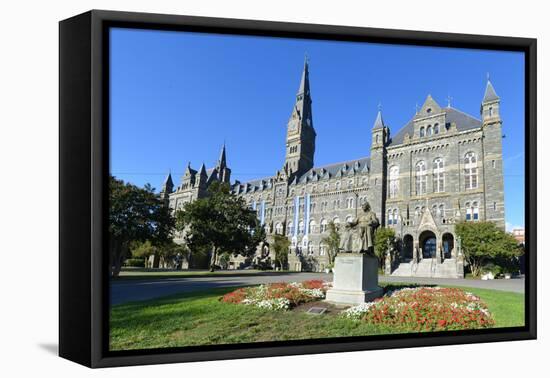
[
  {"x": 201, "y": 319},
  {"x": 143, "y": 273}
]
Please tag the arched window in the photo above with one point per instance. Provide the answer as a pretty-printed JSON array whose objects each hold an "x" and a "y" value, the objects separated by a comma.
[
  {"x": 422, "y": 131},
  {"x": 312, "y": 226},
  {"x": 310, "y": 248},
  {"x": 439, "y": 176},
  {"x": 338, "y": 184},
  {"x": 468, "y": 211},
  {"x": 429, "y": 130},
  {"x": 417, "y": 212},
  {"x": 436, "y": 128},
  {"x": 420, "y": 178},
  {"x": 349, "y": 219},
  {"x": 325, "y": 187},
  {"x": 322, "y": 249},
  {"x": 336, "y": 222},
  {"x": 394, "y": 181},
  {"x": 350, "y": 184},
  {"x": 470, "y": 171},
  {"x": 475, "y": 210},
  {"x": 324, "y": 225},
  {"x": 279, "y": 228},
  {"x": 442, "y": 210},
  {"x": 301, "y": 227},
  {"x": 290, "y": 228},
  {"x": 349, "y": 203},
  {"x": 390, "y": 217}
]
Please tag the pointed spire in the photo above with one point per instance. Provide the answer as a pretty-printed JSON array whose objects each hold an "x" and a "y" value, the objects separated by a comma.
[
  {"x": 379, "y": 122},
  {"x": 490, "y": 94},
  {"x": 222, "y": 160},
  {"x": 202, "y": 171},
  {"x": 168, "y": 184},
  {"x": 168, "y": 180},
  {"x": 304, "y": 83}
]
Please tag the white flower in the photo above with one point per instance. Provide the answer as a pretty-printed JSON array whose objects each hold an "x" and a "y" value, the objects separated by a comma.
[{"x": 357, "y": 312}]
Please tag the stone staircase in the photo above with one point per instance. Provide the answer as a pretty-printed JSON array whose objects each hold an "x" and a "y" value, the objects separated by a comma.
[{"x": 428, "y": 268}]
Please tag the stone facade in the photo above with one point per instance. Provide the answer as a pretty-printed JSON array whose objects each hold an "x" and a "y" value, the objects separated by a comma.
[{"x": 443, "y": 166}]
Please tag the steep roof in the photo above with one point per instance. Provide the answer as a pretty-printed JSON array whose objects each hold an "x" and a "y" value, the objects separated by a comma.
[
  {"x": 379, "y": 122},
  {"x": 462, "y": 120},
  {"x": 341, "y": 169},
  {"x": 490, "y": 94}
]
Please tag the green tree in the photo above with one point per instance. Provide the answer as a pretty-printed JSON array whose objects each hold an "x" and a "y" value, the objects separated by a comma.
[
  {"x": 280, "y": 246},
  {"x": 166, "y": 252},
  {"x": 384, "y": 239},
  {"x": 135, "y": 215},
  {"x": 332, "y": 241},
  {"x": 220, "y": 222},
  {"x": 484, "y": 241}
]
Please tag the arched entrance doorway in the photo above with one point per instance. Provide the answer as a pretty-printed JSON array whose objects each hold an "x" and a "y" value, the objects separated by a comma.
[
  {"x": 428, "y": 244},
  {"x": 407, "y": 247},
  {"x": 448, "y": 245}
]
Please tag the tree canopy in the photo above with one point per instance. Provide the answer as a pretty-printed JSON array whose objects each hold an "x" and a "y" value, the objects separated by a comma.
[
  {"x": 280, "y": 246},
  {"x": 384, "y": 239},
  {"x": 482, "y": 241},
  {"x": 135, "y": 215},
  {"x": 221, "y": 222}
]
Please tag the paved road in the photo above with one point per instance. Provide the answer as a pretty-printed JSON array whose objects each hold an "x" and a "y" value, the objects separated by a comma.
[{"x": 136, "y": 290}]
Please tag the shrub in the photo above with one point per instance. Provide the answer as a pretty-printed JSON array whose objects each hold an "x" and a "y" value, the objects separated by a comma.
[{"x": 138, "y": 263}]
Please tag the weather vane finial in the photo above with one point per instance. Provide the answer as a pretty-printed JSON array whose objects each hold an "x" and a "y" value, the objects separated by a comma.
[
  {"x": 416, "y": 108},
  {"x": 488, "y": 76},
  {"x": 379, "y": 106},
  {"x": 449, "y": 99}
]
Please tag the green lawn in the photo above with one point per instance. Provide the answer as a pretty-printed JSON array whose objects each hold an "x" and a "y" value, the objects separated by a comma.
[{"x": 200, "y": 318}]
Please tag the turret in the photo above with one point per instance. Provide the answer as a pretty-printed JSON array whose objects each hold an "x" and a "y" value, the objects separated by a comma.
[
  {"x": 167, "y": 188},
  {"x": 377, "y": 178},
  {"x": 300, "y": 137},
  {"x": 490, "y": 105}
]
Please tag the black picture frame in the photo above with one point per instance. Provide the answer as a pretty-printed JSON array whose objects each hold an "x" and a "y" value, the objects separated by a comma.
[{"x": 84, "y": 167}]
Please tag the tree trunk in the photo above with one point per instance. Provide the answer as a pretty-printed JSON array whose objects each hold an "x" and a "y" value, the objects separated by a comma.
[
  {"x": 213, "y": 259},
  {"x": 118, "y": 254}
]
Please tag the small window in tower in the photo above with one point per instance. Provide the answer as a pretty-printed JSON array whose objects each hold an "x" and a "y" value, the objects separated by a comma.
[
  {"x": 494, "y": 163},
  {"x": 422, "y": 131},
  {"x": 377, "y": 138},
  {"x": 429, "y": 130},
  {"x": 490, "y": 111},
  {"x": 436, "y": 128},
  {"x": 429, "y": 110}
]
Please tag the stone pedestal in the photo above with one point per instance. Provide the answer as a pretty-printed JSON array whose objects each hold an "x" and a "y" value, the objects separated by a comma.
[{"x": 355, "y": 279}]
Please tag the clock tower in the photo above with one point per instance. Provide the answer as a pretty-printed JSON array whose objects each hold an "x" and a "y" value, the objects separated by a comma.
[{"x": 300, "y": 136}]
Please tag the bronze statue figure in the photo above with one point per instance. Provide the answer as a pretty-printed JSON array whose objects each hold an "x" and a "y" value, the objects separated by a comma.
[{"x": 359, "y": 234}]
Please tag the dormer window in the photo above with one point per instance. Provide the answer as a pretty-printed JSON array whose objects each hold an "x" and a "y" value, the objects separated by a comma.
[
  {"x": 436, "y": 128},
  {"x": 421, "y": 131}
]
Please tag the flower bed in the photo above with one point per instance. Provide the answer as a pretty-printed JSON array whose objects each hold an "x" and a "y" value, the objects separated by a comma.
[
  {"x": 425, "y": 309},
  {"x": 279, "y": 296}
]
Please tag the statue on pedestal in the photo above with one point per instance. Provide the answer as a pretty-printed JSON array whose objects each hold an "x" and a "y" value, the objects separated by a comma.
[{"x": 359, "y": 234}]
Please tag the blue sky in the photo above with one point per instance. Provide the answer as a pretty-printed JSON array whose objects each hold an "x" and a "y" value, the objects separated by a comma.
[{"x": 177, "y": 96}]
